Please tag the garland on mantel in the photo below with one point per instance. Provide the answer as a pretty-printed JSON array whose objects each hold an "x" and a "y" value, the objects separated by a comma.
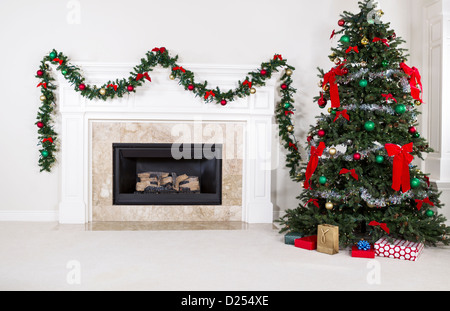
[{"x": 160, "y": 56}]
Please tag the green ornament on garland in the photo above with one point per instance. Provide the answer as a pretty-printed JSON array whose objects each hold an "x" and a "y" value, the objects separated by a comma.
[
  {"x": 345, "y": 39},
  {"x": 322, "y": 180},
  {"x": 287, "y": 105},
  {"x": 416, "y": 135},
  {"x": 430, "y": 213},
  {"x": 44, "y": 153},
  {"x": 385, "y": 63},
  {"x": 379, "y": 159},
  {"x": 363, "y": 83},
  {"x": 64, "y": 72},
  {"x": 369, "y": 126},
  {"x": 415, "y": 183},
  {"x": 400, "y": 109},
  {"x": 52, "y": 55}
]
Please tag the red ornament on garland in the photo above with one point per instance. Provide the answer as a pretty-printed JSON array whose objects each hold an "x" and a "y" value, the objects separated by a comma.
[
  {"x": 412, "y": 130},
  {"x": 190, "y": 87},
  {"x": 223, "y": 102},
  {"x": 263, "y": 72},
  {"x": 341, "y": 22},
  {"x": 308, "y": 139},
  {"x": 357, "y": 156},
  {"x": 82, "y": 87},
  {"x": 283, "y": 86},
  {"x": 345, "y": 71},
  {"x": 322, "y": 101},
  {"x": 40, "y": 73},
  {"x": 40, "y": 124},
  {"x": 130, "y": 88},
  {"x": 321, "y": 133}
]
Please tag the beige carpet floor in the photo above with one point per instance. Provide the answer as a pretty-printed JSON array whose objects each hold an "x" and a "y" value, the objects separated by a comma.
[{"x": 48, "y": 256}]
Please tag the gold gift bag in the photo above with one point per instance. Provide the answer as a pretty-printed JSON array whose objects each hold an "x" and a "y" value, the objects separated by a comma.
[{"x": 328, "y": 239}]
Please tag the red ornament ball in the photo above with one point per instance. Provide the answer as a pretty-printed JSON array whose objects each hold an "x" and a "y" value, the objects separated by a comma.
[
  {"x": 412, "y": 130},
  {"x": 223, "y": 102},
  {"x": 309, "y": 138},
  {"x": 40, "y": 73},
  {"x": 357, "y": 156},
  {"x": 283, "y": 86},
  {"x": 321, "y": 133},
  {"x": 130, "y": 88},
  {"x": 82, "y": 87},
  {"x": 40, "y": 124},
  {"x": 322, "y": 102},
  {"x": 263, "y": 72},
  {"x": 341, "y": 22},
  {"x": 345, "y": 71},
  {"x": 190, "y": 87}
]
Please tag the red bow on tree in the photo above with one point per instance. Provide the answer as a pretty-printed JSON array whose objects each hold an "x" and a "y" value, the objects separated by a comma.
[
  {"x": 332, "y": 34},
  {"x": 60, "y": 61},
  {"x": 113, "y": 86},
  {"x": 330, "y": 77},
  {"x": 313, "y": 162},
  {"x": 352, "y": 48},
  {"x": 42, "y": 84},
  {"x": 342, "y": 113},
  {"x": 277, "y": 56},
  {"x": 421, "y": 202},
  {"x": 209, "y": 93},
  {"x": 352, "y": 172},
  {"x": 179, "y": 68},
  {"x": 142, "y": 75},
  {"x": 376, "y": 39},
  {"x": 402, "y": 159},
  {"x": 415, "y": 79},
  {"x": 291, "y": 145},
  {"x": 314, "y": 201},
  {"x": 286, "y": 113},
  {"x": 246, "y": 82},
  {"x": 382, "y": 226},
  {"x": 162, "y": 50},
  {"x": 47, "y": 139},
  {"x": 388, "y": 96}
]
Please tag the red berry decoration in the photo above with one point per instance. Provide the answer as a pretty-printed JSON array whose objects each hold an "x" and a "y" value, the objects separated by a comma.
[
  {"x": 40, "y": 73},
  {"x": 130, "y": 88},
  {"x": 412, "y": 130},
  {"x": 190, "y": 87},
  {"x": 40, "y": 124},
  {"x": 283, "y": 86},
  {"x": 82, "y": 87},
  {"x": 263, "y": 72},
  {"x": 309, "y": 138},
  {"x": 321, "y": 133},
  {"x": 357, "y": 156},
  {"x": 223, "y": 102},
  {"x": 341, "y": 22}
]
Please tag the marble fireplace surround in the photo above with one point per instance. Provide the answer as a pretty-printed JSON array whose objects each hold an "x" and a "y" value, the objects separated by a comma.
[{"x": 156, "y": 113}]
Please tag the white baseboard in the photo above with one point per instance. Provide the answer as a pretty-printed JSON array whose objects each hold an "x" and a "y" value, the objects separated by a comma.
[{"x": 29, "y": 216}]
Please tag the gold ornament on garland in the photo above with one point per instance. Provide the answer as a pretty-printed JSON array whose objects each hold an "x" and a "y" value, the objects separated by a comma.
[
  {"x": 42, "y": 98},
  {"x": 102, "y": 91},
  {"x": 332, "y": 151},
  {"x": 290, "y": 128},
  {"x": 365, "y": 41},
  {"x": 253, "y": 90},
  {"x": 171, "y": 77},
  {"x": 329, "y": 206},
  {"x": 289, "y": 72}
]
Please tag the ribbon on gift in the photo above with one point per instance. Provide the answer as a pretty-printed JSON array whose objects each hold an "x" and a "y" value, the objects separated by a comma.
[
  {"x": 414, "y": 80},
  {"x": 162, "y": 50},
  {"x": 342, "y": 113},
  {"x": 313, "y": 162},
  {"x": 179, "y": 68},
  {"x": 246, "y": 82},
  {"x": 47, "y": 139},
  {"x": 352, "y": 172},
  {"x": 376, "y": 39},
  {"x": 113, "y": 86},
  {"x": 277, "y": 56},
  {"x": 44, "y": 84},
  {"x": 143, "y": 75},
  {"x": 388, "y": 97},
  {"x": 330, "y": 77},
  {"x": 352, "y": 48},
  {"x": 402, "y": 159},
  {"x": 209, "y": 93},
  {"x": 381, "y": 225},
  {"x": 60, "y": 61},
  {"x": 421, "y": 202},
  {"x": 314, "y": 201}
]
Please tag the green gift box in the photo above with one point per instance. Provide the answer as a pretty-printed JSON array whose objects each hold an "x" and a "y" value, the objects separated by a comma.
[{"x": 290, "y": 237}]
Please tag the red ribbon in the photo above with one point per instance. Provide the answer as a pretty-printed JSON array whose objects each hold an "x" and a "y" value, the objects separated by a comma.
[
  {"x": 142, "y": 75},
  {"x": 277, "y": 56},
  {"x": 60, "y": 61},
  {"x": 346, "y": 171},
  {"x": 376, "y": 39},
  {"x": 382, "y": 226},
  {"x": 291, "y": 145},
  {"x": 313, "y": 162},
  {"x": 42, "y": 84},
  {"x": 246, "y": 82},
  {"x": 113, "y": 86},
  {"x": 352, "y": 48},
  {"x": 342, "y": 113},
  {"x": 314, "y": 201},
  {"x": 208, "y": 93},
  {"x": 332, "y": 34},
  {"x": 402, "y": 158},
  {"x": 414, "y": 80},
  {"x": 162, "y": 50},
  {"x": 421, "y": 202},
  {"x": 427, "y": 179},
  {"x": 48, "y": 139},
  {"x": 179, "y": 68},
  {"x": 388, "y": 96},
  {"x": 330, "y": 77},
  {"x": 286, "y": 113}
]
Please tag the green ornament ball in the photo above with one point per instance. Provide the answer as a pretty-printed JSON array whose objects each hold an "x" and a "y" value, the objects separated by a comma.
[
  {"x": 322, "y": 180},
  {"x": 430, "y": 213},
  {"x": 379, "y": 159},
  {"x": 64, "y": 72},
  {"x": 363, "y": 83},
  {"x": 385, "y": 63},
  {"x": 287, "y": 105},
  {"x": 416, "y": 135},
  {"x": 415, "y": 183},
  {"x": 52, "y": 55},
  {"x": 345, "y": 39},
  {"x": 369, "y": 126},
  {"x": 44, "y": 153},
  {"x": 400, "y": 109}
]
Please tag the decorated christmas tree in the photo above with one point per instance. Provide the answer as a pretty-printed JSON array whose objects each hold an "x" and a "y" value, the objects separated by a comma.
[{"x": 360, "y": 175}]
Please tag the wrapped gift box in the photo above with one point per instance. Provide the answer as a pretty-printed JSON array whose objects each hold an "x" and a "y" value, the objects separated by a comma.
[
  {"x": 290, "y": 237},
  {"x": 308, "y": 242},
  {"x": 398, "y": 249},
  {"x": 370, "y": 253}
]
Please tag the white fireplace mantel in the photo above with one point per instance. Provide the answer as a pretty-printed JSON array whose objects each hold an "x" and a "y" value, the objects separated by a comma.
[{"x": 160, "y": 100}]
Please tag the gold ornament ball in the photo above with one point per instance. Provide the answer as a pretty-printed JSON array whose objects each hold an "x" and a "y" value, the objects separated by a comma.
[
  {"x": 330, "y": 110},
  {"x": 253, "y": 90},
  {"x": 42, "y": 98},
  {"x": 288, "y": 72},
  {"x": 337, "y": 61},
  {"x": 332, "y": 151},
  {"x": 290, "y": 128},
  {"x": 380, "y": 13},
  {"x": 365, "y": 41},
  {"x": 102, "y": 91},
  {"x": 171, "y": 77},
  {"x": 326, "y": 87},
  {"x": 329, "y": 206},
  {"x": 417, "y": 103}
]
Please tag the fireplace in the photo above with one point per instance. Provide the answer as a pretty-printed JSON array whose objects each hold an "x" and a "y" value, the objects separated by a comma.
[{"x": 167, "y": 174}]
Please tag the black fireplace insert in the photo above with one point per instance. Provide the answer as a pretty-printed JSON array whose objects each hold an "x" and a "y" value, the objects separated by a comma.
[{"x": 200, "y": 161}]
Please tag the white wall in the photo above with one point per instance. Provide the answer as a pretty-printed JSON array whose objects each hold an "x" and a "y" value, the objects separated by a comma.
[{"x": 199, "y": 31}]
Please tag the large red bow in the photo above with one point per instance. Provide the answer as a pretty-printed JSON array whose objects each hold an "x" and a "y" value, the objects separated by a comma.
[
  {"x": 42, "y": 84},
  {"x": 352, "y": 48},
  {"x": 246, "y": 82},
  {"x": 142, "y": 75},
  {"x": 162, "y": 50},
  {"x": 179, "y": 68},
  {"x": 415, "y": 79},
  {"x": 421, "y": 202},
  {"x": 402, "y": 158},
  {"x": 47, "y": 139},
  {"x": 277, "y": 56},
  {"x": 314, "y": 201},
  {"x": 342, "y": 113},
  {"x": 113, "y": 86},
  {"x": 352, "y": 172},
  {"x": 60, "y": 61},
  {"x": 209, "y": 93},
  {"x": 388, "y": 96},
  {"x": 382, "y": 40},
  {"x": 313, "y": 162},
  {"x": 382, "y": 226},
  {"x": 330, "y": 77},
  {"x": 287, "y": 112}
]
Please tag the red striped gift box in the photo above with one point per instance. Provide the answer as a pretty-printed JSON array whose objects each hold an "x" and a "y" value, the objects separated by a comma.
[{"x": 398, "y": 249}]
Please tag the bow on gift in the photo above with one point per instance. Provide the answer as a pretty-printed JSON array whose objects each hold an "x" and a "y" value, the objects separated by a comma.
[
  {"x": 42, "y": 84},
  {"x": 421, "y": 202},
  {"x": 277, "y": 56},
  {"x": 113, "y": 86},
  {"x": 330, "y": 77},
  {"x": 342, "y": 113},
  {"x": 179, "y": 68},
  {"x": 388, "y": 96},
  {"x": 209, "y": 93},
  {"x": 314, "y": 201},
  {"x": 382, "y": 226},
  {"x": 376, "y": 39},
  {"x": 414, "y": 80},
  {"x": 142, "y": 75},
  {"x": 246, "y": 82},
  {"x": 47, "y": 139},
  {"x": 402, "y": 159},
  {"x": 352, "y": 172},
  {"x": 60, "y": 61},
  {"x": 352, "y": 48},
  {"x": 313, "y": 162},
  {"x": 162, "y": 50}
]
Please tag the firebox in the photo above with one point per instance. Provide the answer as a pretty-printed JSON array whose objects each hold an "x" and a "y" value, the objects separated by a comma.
[{"x": 167, "y": 174}]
